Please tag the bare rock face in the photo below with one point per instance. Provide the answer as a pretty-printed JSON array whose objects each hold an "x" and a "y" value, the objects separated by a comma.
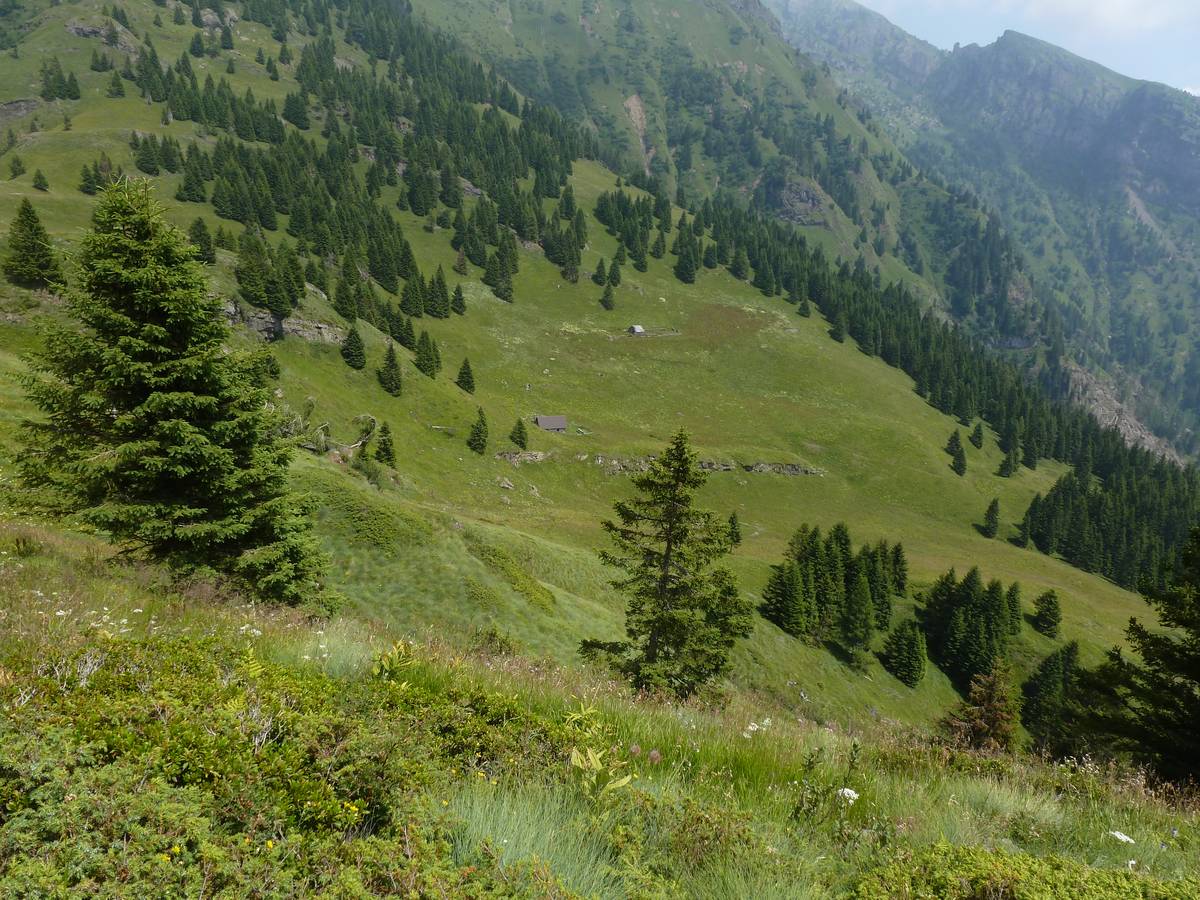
[
  {"x": 125, "y": 41},
  {"x": 1101, "y": 399},
  {"x": 519, "y": 457},
  {"x": 17, "y": 109},
  {"x": 269, "y": 328}
]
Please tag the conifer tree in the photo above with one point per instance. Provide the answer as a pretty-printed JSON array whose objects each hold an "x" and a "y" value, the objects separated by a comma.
[
  {"x": 427, "y": 360},
  {"x": 116, "y": 86},
  {"x": 1047, "y": 614},
  {"x": 1012, "y": 600},
  {"x": 16, "y": 167},
  {"x": 977, "y": 436},
  {"x": 199, "y": 235},
  {"x": 31, "y": 260},
  {"x": 614, "y": 274},
  {"x": 520, "y": 435},
  {"x": 735, "y": 530},
  {"x": 353, "y": 351},
  {"x": 606, "y": 299},
  {"x": 1154, "y": 692},
  {"x": 466, "y": 378},
  {"x": 478, "y": 438},
  {"x": 786, "y": 603},
  {"x": 991, "y": 519},
  {"x": 600, "y": 275},
  {"x": 959, "y": 461},
  {"x": 683, "y": 614},
  {"x": 1049, "y": 694},
  {"x": 987, "y": 718},
  {"x": 385, "y": 450},
  {"x": 858, "y": 615},
  {"x": 153, "y": 431},
  {"x": 904, "y": 653},
  {"x": 40, "y": 181},
  {"x": 389, "y": 373},
  {"x": 458, "y": 302}
]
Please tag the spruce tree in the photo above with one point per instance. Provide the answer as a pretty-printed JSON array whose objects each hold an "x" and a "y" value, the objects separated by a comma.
[
  {"x": 199, "y": 235},
  {"x": 786, "y": 603},
  {"x": 478, "y": 438},
  {"x": 152, "y": 430},
  {"x": 991, "y": 519},
  {"x": 614, "y": 274},
  {"x": 858, "y": 615},
  {"x": 959, "y": 461},
  {"x": 30, "y": 260},
  {"x": 116, "y": 86},
  {"x": 519, "y": 434},
  {"x": 353, "y": 351},
  {"x": 1049, "y": 694},
  {"x": 735, "y": 530},
  {"x": 606, "y": 299},
  {"x": 466, "y": 378},
  {"x": 458, "y": 302},
  {"x": 600, "y": 276},
  {"x": 1012, "y": 600},
  {"x": 977, "y": 436},
  {"x": 40, "y": 181},
  {"x": 683, "y": 613},
  {"x": 1047, "y": 614},
  {"x": 389, "y": 373},
  {"x": 385, "y": 450},
  {"x": 987, "y": 718},
  {"x": 1154, "y": 692},
  {"x": 904, "y": 653}
]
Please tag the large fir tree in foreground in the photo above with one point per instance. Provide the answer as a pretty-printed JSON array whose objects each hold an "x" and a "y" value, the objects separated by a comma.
[
  {"x": 683, "y": 615},
  {"x": 152, "y": 431},
  {"x": 1153, "y": 707}
]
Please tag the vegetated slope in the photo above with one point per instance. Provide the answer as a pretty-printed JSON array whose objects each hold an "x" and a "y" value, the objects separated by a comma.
[
  {"x": 446, "y": 540},
  {"x": 1092, "y": 173},
  {"x": 709, "y": 94},
  {"x": 156, "y": 743}
]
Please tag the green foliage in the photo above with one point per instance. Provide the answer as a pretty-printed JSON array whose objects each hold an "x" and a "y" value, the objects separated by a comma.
[
  {"x": 1050, "y": 694},
  {"x": 520, "y": 434},
  {"x": 40, "y": 182},
  {"x": 152, "y": 431},
  {"x": 948, "y": 872},
  {"x": 518, "y": 578},
  {"x": 30, "y": 259},
  {"x": 991, "y": 519},
  {"x": 987, "y": 719},
  {"x": 353, "y": 352},
  {"x": 735, "y": 530},
  {"x": 1047, "y": 614},
  {"x": 389, "y": 374},
  {"x": 968, "y": 626},
  {"x": 683, "y": 616},
  {"x": 904, "y": 652},
  {"x": 977, "y": 436},
  {"x": 478, "y": 438},
  {"x": 385, "y": 449},
  {"x": 466, "y": 378},
  {"x": 1154, "y": 699}
]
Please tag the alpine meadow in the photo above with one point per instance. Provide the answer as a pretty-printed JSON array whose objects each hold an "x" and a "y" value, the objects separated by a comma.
[{"x": 644, "y": 448}]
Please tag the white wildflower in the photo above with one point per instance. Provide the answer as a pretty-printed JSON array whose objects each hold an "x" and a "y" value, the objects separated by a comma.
[
  {"x": 848, "y": 794},
  {"x": 1122, "y": 837}
]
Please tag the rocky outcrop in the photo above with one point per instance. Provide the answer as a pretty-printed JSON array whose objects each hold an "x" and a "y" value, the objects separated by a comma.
[
  {"x": 520, "y": 457},
  {"x": 617, "y": 466},
  {"x": 271, "y": 328},
  {"x": 126, "y": 42},
  {"x": 1101, "y": 399}
]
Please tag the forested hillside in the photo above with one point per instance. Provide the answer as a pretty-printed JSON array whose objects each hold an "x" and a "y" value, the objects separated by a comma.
[
  {"x": 1091, "y": 173},
  {"x": 327, "y": 331}
]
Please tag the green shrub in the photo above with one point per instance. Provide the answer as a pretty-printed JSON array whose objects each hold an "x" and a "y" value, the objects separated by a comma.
[
  {"x": 946, "y": 872},
  {"x": 502, "y": 564}
]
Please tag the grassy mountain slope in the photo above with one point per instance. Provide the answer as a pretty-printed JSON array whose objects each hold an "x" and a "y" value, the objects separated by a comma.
[
  {"x": 753, "y": 382},
  {"x": 310, "y": 776},
  {"x": 1091, "y": 171}
]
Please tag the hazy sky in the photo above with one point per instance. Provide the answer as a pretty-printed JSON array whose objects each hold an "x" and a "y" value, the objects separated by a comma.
[{"x": 1154, "y": 39}]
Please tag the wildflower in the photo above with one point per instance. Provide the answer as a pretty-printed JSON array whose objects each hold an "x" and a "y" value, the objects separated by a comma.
[
  {"x": 655, "y": 757},
  {"x": 848, "y": 794},
  {"x": 270, "y": 844},
  {"x": 1122, "y": 837},
  {"x": 634, "y": 749},
  {"x": 1132, "y": 864}
]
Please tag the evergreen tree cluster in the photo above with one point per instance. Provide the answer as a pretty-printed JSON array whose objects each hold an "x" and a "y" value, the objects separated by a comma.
[
  {"x": 969, "y": 625},
  {"x": 57, "y": 85},
  {"x": 1130, "y": 525},
  {"x": 824, "y": 589},
  {"x": 904, "y": 652}
]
